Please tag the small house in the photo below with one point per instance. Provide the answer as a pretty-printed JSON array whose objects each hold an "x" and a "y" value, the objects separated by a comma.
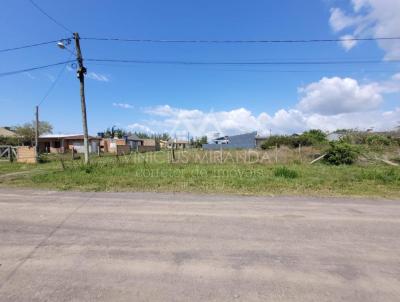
[
  {"x": 61, "y": 143},
  {"x": 148, "y": 144},
  {"x": 177, "y": 144},
  {"x": 134, "y": 142}
]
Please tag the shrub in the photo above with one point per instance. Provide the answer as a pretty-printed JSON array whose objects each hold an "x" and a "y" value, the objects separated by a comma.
[
  {"x": 285, "y": 173},
  {"x": 285, "y": 140},
  {"x": 355, "y": 137},
  {"x": 340, "y": 153},
  {"x": 13, "y": 141},
  {"x": 308, "y": 138},
  {"x": 378, "y": 140},
  {"x": 275, "y": 140},
  {"x": 314, "y": 136}
]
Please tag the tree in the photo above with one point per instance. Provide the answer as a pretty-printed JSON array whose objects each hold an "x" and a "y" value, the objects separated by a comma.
[
  {"x": 164, "y": 136},
  {"x": 142, "y": 135},
  {"x": 198, "y": 142},
  {"x": 114, "y": 132},
  {"x": 27, "y": 131}
]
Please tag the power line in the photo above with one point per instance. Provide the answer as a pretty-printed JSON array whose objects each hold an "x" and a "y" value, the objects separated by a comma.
[
  {"x": 275, "y": 71},
  {"x": 50, "y": 17},
  {"x": 8, "y": 73},
  {"x": 239, "y": 41},
  {"x": 28, "y": 46},
  {"x": 242, "y": 63},
  {"x": 53, "y": 85}
]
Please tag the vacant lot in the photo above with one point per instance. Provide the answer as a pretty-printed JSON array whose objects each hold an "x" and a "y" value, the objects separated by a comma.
[
  {"x": 68, "y": 246},
  {"x": 233, "y": 173}
]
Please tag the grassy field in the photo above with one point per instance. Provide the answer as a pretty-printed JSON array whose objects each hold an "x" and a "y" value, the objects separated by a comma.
[{"x": 231, "y": 173}]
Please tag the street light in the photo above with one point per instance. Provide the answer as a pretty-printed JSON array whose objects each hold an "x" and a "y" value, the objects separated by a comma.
[{"x": 61, "y": 44}]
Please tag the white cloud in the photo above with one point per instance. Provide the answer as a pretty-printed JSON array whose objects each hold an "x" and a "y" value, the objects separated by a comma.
[
  {"x": 123, "y": 105},
  {"x": 390, "y": 86},
  {"x": 283, "y": 121},
  {"x": 328, "y": 104},
  {"x": 339, "y": 20},
  {"x": 371, "y": 18},
  {"x": 139, "y": 128},
  {"x": 162, "y": 110},
  {"x": 98, "y": 77},
  {"x": 336, "y": 95},
  {"x": 347, "y": 42}
]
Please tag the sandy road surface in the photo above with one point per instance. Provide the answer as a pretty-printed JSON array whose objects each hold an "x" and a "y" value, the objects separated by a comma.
[{"x": 163, "y": 247}]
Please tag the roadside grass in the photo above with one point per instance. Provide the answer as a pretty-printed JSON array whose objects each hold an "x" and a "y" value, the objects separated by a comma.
[
  {"x": 159, "y": 175},
  {"x": 285, "y": 172},
  {"x": 6, "y": 167}
]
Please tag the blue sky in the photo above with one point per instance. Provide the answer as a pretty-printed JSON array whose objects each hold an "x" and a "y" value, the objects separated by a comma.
[{"x": 205, "y": 99}]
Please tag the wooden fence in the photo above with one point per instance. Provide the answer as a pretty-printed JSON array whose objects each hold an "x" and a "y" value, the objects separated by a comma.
[
  {"x": 21, "y": 154},
  {"x": 8, "y": 153}
]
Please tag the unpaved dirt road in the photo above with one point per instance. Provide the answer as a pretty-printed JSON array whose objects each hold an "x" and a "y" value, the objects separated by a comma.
[{"x": 164, "y": 247}]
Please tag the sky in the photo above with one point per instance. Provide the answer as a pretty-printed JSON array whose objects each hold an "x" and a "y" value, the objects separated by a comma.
[{"x": 204, "y": 99}]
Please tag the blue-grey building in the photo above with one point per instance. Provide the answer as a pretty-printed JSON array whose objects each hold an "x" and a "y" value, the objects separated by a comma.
[{"x": 241, "y": 141}]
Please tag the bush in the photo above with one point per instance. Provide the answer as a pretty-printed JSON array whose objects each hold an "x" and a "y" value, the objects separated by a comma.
[
  {"x": 308, "y": 138},
  {"x": 285, "y": 173},
  {"x": 275, "y": 140},
  {"x": 355, "y": 137},
  {"x": 285, "y": 140},
  {"x": 378, "y": 140},
  {"x": 13, "y": 141},
  {"x": 340, "y": 153},
  {"x": 314, "y": 136}
]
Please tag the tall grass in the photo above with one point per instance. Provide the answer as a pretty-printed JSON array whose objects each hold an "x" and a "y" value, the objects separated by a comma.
[{"x": 285, "y": 173}]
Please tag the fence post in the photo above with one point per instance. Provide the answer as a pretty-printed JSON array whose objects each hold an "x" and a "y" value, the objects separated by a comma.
[
  {"x": 300, "y": 153},
  {"x": 10, "y": 158}
]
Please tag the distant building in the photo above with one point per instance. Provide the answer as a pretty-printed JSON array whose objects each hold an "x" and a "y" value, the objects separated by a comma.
[
  {"x": 110, "y": 145},
  {"x": 163, "y": 144},
  {"x": 334, "y": 136},
  {"x": 135, "y": 143},
  {"x": 6, "y": 132},
  {"x": 61, "y": 143},
  {"x": 176, "y": 143},
  {"x": 241, "y": 141},
  {"x": 260, "y": 140},
  {"x": 148, "y": 144}
]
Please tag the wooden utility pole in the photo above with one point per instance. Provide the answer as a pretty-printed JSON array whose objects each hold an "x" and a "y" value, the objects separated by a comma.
[
  {"x": 81, "y": 76},
  {"x": 37, "y": 131}
]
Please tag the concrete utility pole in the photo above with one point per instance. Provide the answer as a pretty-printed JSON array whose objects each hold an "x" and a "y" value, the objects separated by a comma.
[
  {"x": 37, "y": 131},
  {"x": 81, "y": 76}
]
